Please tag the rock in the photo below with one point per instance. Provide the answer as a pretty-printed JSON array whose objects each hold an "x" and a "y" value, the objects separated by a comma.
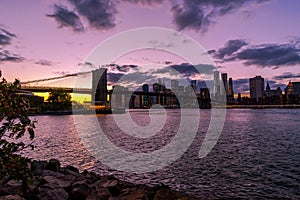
[
  {"x": 80, "y": 190},
  {"x": 76, "y": 175},
  {"x": 12, "y": 187},
  {"x": 53, "y": 165},
  {"x": 100, "y": 193},
  {"x": 52, "y": 191},
  {"x": 71, "y": 168},
  {"x": 113, "y": 187},
  {"x": 110, "y": 183},
  {"x": 50, "y": 181},
  {"x": 165, "y": 194},
  {"x": 11, "y": 197},
  {"x": 60, "y": 182},
  {"x": 52, "y": 173},
  {"x": 37, "y": 167},
  {"x": 134, "y": 193}
]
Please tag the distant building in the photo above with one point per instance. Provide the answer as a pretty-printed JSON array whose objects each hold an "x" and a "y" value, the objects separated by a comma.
[
  {"x": 216, "y": 84},
  {"x": 272, "y": 97},
  {"x": 256, "y": 87},
  {"x": 194, "y": 85},
  {"x": 296, "y": 88},
  {"x": 269, "y": 92},
  {"x": 204, "y": 98},
  {"x": 174, "y": 85},
  {"x": 292, "y": 93},
  {"x": 230, "y": 92},
  {"x": 145, "y": 100},
  {"x": 224, "y": 80}
]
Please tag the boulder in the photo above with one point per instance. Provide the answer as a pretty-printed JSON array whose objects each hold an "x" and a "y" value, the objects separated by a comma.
[
  {"x": 52, "y": 191},
  {"x": 11, "y": 197},
  {"x": 99, "y": 193},
  {"x": 53, "y": 165},
  {"x": 11, "y": 187},
  {"x": 80, "y": 190},
  {"x": 37, "y": 167},
  {"x": 58, "y": 181},
  {"x": 71, "y": 168}
]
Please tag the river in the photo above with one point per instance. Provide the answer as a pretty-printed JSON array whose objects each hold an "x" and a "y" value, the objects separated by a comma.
[{"x": 257, "y": 154}]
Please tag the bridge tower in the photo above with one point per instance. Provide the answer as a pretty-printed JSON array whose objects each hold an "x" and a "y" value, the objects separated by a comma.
[{"x": 99, "y": 86}]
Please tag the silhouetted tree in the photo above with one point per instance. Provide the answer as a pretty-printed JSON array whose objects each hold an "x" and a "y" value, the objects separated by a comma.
[
  {"x": 15, "y": 123},
  {"x": 59, "y": 100}
]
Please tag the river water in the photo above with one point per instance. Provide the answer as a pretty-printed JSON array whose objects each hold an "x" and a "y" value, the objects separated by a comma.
[{"x": 257, "y": 155}]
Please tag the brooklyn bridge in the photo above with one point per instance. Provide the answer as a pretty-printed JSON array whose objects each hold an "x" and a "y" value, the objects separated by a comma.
[{"x": 117, "y": 96}]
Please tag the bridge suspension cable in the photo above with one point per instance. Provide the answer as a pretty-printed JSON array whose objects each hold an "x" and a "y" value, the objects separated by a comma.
[{"x": 55, "y": 78}]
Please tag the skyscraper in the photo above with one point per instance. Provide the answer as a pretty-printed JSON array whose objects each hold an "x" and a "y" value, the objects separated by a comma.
[
  {"x": 230, "y": 92},
  {"x": 224, "y": 80},
  {"x": 194, "y": 84},
  {"x": 174, "y": 85},
  {"x": 216, "y": 84},
  {"x": 257, "y": 85}
]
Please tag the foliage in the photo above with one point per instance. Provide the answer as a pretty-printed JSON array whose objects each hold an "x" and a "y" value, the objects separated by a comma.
[
  {"x": 59, "y": 100},
  {"x": 15, "y": 123}
]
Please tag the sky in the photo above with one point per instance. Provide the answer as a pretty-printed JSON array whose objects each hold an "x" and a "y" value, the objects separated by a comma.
[{"x": 42, "y": 39}]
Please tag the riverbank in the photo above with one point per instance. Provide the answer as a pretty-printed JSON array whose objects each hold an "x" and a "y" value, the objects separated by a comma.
[{"x": 51, "y": 181}]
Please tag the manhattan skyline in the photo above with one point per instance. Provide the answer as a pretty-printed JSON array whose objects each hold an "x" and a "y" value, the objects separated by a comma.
[{"x": 244, "y": 39}]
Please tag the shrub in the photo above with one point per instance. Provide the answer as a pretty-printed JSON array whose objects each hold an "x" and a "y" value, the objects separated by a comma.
[{"x": 15, "y": 123}]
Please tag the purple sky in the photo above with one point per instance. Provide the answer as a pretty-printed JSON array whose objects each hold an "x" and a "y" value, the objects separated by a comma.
[{"x": 41, "y": 39}]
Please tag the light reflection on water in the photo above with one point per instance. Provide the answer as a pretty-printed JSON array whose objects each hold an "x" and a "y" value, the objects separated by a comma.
[{"x": 257, "y": 155}]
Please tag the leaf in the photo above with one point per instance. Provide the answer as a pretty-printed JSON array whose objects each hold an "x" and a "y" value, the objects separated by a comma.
[{"x": 31, "y": 133}]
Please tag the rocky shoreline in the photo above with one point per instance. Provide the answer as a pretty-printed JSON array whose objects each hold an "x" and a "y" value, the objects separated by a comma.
[{"x": 50, "y": 181}]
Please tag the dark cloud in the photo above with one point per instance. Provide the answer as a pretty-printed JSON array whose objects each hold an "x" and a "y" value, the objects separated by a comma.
[
  {"x": 186, "y": 70},
  {"x": 61, "y": 73},
  {"x": 99, "y": 13},
  {"x": 269, "y": 55},
  {"x": 241, "y": 85},
  {"x": 66, "y": 18},
  {"x": 10, "y": 57},
  {"x": 145, "y": 2},
  {"x": 122, "y": 68},
  {"x": 189, "y": 70},
  {"x": 199, "y": 14},
  {"x": 5, "y": 37},
  {"x": 230, "y": 48},
  {"x": 287, "y": 75},
  {"x": 265, "y": 55},
  {"x": 44, "y": 62},
  {"x": 131, "y": 80}
]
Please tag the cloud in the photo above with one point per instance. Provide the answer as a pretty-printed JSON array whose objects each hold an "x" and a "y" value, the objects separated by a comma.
[
  {"x": 145, "y": 2},
  {"x": 187, "y": 70},
  {"x": 241, "y": 85},
  {"x": 264, "y": 55},
  {"x": 10, "y": 57},
  {"x": 270, "y": 55},
  {"x": 287, "y": 75},
  {"x": 44, "y": 62},
  {"x": 99, "y": 13},
  {"x": 66, "y": 18},
  {"x": 61, "y": 73},
  {"x": 131, "y": 80},
  {"x": 122, "y": 68},
  {"x": 230, "y": 48},
  {"x": 5, "y": 37},
  {"x": 200, "y": 14}
]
